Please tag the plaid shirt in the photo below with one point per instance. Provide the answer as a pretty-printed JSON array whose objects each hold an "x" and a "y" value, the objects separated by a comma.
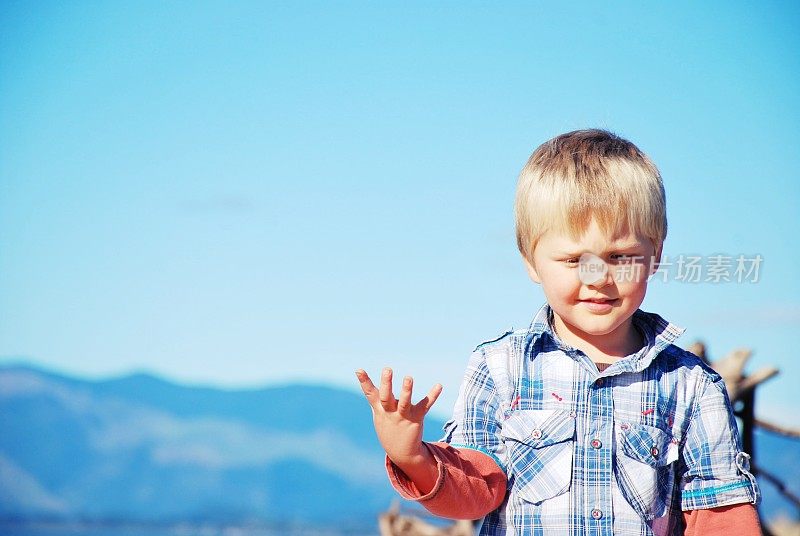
[{"x": 619, "y": 452}]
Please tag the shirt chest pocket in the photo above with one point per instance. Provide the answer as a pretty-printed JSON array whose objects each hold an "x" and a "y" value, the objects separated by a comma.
[
  {"x": 539, "y": 445},
  {"x": 644, "y": 469}
]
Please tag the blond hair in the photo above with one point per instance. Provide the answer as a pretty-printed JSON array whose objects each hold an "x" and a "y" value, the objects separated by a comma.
[{"x": 588, "y": 174}]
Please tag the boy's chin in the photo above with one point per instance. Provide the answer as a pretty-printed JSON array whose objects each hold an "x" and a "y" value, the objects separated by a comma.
[{"x": 596, "y": 326}]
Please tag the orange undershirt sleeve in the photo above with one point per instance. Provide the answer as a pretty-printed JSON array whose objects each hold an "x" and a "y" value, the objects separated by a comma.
[
  {"x": 469, "y": 484},
  {"x": 732, "y": 520}
]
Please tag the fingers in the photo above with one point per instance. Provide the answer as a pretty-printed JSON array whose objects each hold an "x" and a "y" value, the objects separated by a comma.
[
  {"x": 386, "y": 396},
  {"x": 367, "y": 387},
  {"x": 404, "y": 402},
  {"x": 386, "y": 399},
  {"x": 429, "y": 400}
]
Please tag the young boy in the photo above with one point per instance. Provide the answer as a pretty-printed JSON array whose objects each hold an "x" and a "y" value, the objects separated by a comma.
[{"x": 591, "y": 421}]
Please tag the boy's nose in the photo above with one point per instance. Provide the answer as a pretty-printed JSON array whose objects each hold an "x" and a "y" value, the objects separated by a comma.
[{"x": 604, "y": 281}]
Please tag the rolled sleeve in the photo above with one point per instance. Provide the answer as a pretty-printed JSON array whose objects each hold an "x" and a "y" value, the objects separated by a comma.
[
  {"x": 406, "y": 487},
  {"x": 468, "y": 485},
  {"x": 717, "y": 472}
]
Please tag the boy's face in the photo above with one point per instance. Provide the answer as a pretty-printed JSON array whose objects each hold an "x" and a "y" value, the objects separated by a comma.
[{"x": 595, "y": 285}]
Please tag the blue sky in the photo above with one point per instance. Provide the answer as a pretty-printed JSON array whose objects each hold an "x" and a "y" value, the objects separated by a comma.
[{"x": 243, "y": 194}]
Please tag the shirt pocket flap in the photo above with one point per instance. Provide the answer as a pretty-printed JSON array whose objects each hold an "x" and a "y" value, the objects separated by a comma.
[
  {"x": 539, "y": 428},
  {"x": 643, "y": 469},
  {"x": 648, "y": 444}
]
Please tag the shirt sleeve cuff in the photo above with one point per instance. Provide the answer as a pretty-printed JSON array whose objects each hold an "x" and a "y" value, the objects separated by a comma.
[
  {"x": 406, "y": 488},
  {"x": 719, "y": 494}
]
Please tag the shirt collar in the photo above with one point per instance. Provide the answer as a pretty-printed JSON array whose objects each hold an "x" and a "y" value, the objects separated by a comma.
[{"x": 657, "y": 332}]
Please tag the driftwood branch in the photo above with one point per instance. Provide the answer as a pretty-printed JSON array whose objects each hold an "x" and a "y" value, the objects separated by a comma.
[
  {"x": 787, "y": 493},
  {"x": 755, "y": 379},
  {"x": 393, "y": 523},
  {"x": 731, "y": 368},
  {"x": 777, "y": 428}
]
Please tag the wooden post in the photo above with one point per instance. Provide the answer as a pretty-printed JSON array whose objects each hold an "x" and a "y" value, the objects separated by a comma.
[{"x": 747, "y": 415}]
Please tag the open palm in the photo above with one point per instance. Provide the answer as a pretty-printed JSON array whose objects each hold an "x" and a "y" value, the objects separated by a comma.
[{"x": 398, "y": 422}]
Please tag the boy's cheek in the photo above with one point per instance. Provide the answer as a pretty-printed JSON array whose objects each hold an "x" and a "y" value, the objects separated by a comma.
[
  {"x": 635, "y": 272},
  {"x": 532, "y": 271}
]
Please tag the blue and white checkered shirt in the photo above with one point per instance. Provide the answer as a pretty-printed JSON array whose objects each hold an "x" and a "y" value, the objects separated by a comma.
[{"x": 618, "y": 452}]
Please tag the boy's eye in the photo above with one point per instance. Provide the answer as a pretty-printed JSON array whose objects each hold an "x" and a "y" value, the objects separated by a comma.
[{"x": 624, "y": 257}]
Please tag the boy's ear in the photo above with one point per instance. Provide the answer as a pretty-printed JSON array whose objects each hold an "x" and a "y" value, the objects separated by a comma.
[
  {"x": 656, "y": 259},
  {"x": 532, "y": 273}
]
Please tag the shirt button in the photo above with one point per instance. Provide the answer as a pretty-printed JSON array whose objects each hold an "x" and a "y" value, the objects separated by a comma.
[
  {"x": 654, "y": 451},
  {"x": 536, "y": 434},
  {"x": 624, "y": 426},
  {"x": 597, "y": 513},
  {"x": 596, "y": 443},
  {"x": 599, "y": 382}
]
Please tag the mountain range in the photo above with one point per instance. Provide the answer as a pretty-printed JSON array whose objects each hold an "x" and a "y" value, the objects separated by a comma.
[
  {"x": 143, "y": 449},
  {"x": 140, "y": 448}
]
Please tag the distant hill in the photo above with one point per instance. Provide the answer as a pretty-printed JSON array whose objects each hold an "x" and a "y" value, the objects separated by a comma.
[{"x": 141, "y": 448}]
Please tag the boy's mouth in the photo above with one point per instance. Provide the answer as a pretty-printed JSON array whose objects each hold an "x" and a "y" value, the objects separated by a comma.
[
  {"x": 600, "y": 300},
  {"x": 599, "y": 305}
]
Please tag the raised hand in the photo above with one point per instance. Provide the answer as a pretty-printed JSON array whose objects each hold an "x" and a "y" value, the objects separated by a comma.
[{"x": 398, "y": 424}]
